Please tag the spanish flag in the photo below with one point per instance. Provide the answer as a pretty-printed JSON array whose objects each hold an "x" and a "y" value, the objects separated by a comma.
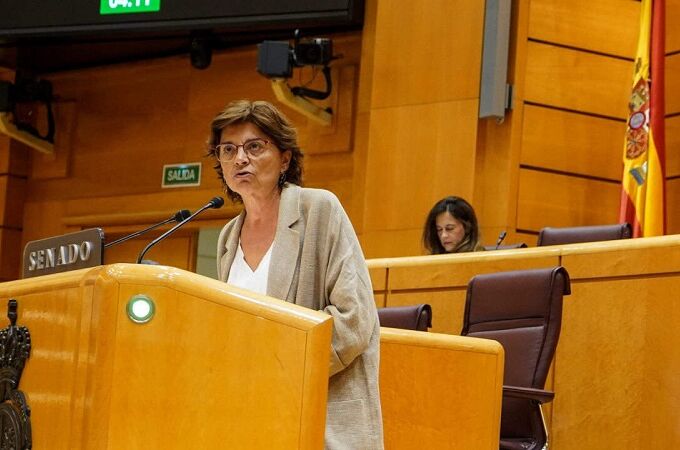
[{"x": 643, "y": 195}]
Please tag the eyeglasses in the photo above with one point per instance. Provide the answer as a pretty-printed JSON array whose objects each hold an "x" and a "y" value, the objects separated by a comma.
[{"x": 252, "y": 148}]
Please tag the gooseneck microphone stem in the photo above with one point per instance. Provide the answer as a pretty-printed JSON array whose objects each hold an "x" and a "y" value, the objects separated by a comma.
[
  {"x": 178, "y": 217},
  {"x": 216, "y": 202},
  {"x": 500, "y": 238}
]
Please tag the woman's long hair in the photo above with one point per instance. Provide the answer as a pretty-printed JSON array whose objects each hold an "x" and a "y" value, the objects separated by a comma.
[{"x": 461, "y": 211}]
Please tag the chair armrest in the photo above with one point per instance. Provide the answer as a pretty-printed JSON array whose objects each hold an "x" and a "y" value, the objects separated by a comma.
[{"x": 539, "y": 395}]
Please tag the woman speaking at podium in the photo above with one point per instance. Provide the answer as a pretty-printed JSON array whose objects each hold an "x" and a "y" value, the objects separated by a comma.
[{"x": 298, "y": 244}]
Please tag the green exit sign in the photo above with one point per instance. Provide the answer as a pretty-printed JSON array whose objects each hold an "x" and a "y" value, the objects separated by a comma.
[
  {"x": 128, "y": 6},
  {"x": 181, "y": 175}
]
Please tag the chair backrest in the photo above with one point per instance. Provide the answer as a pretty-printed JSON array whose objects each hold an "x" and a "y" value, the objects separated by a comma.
[
  {"x": 505, "y": 247},
  {"x": 571, "y": 235},
  {"x": 414, "y": 317},
  {"x": 523, "y": 311}
]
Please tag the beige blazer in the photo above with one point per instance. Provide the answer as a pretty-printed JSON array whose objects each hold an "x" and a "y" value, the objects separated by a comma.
[{"x": 317, "y": 262}]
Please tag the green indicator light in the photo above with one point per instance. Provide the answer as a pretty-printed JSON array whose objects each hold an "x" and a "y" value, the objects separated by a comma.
[
  {"x": 140, "y": 308},
  {"x": 128, "y": 6}
]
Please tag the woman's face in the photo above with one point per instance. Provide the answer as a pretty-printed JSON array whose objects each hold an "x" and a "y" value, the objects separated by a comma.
[
  {"x": 450, "y": 231},
  {"x": 248, "y": 174}
]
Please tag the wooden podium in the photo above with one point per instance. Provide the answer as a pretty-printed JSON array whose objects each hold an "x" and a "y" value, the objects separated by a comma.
[{"x": 215, "y": 367}]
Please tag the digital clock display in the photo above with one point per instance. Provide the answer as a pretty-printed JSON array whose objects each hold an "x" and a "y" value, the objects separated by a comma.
[{"x": 128, "y": 6}]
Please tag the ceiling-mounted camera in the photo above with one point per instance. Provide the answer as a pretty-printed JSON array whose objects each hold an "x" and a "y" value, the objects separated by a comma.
[
  {"x": 277, "y": 59},
  {"x": 314, "y": 52}
]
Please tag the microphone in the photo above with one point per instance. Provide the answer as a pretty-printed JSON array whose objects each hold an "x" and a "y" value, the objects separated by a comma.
[
  {"x": 178, "y": 217},
  {"x": 500, "y": 238},
  {"x": 215, "y": 203}
]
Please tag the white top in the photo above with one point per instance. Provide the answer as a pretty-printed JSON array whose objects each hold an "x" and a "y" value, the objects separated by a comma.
[{"x": 241, "y": 275}]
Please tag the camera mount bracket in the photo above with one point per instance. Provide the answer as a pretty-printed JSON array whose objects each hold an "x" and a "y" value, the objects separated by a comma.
[
  {"x": 10, "y": 129},
  {"x": 311, "y": 93},
  {"x": 300, "y": 104},
  {"x": 25, "y": 90}
]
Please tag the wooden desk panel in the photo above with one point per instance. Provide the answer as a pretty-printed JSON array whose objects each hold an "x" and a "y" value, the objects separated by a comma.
[
  {"x": 439, "y": 391},
  {"x": 617, "y": 361}
]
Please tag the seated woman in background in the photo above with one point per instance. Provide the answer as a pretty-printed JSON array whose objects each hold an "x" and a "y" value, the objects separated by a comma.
[{"x": 451, "y": 227}]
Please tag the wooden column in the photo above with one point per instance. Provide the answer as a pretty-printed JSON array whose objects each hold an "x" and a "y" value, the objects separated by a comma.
[
  {"x": 416, "y": 122},
  {"x": 13, "y": 169}
]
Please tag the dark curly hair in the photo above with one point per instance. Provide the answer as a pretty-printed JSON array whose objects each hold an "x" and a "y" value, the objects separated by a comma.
[
  {"x": 461, "y": 211},
  {"x": 271, "y": 122}
]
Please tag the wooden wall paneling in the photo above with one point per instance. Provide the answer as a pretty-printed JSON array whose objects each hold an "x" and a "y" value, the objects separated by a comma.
[
  {"x": 337, "y": 138},
  {"x": 380, "y": 299},
  {"x": 498, "y": 143},
  {"x": 661, "y": 366},
  {"x": 490, "y": 237},
  {"x": 577, "y": 80},
  {"x": 672, "y": 146},
  {"x": 672, "y": 84},
  {"x": 134, "y": 118},
  {"x": 176, "y": 250},
  {"x": 42, "y": 220},
  {"x": 210, "y": 92},
  {"x": 359, "y": 174},
  {"x": 426, "y": 52},
  {"x": 131, "y": 121},
  {"x": 132, "y": 209},
  {"x": 12, "y": 193},
  {"x": 13, "y": 169},
  {"x": 14, "y": 157},
  {"x": 6, "y": 74},
  {"x": 528, "y": 238},
  {"x": 495, "y": 185},
  {"x": 621, "y": 307},
  {"x": 603, "y": 259},
  {"x": 56, "y": 165},
  {"x": 439, "y": 392},
  {"x": 417, "y": 117},
  {"x": 332, "y": 171},
  {"x": 574, "y": 143},
  {"x": 362, "y": 117},
  {"x": 672, "y": 210},
  {"x": 387, "y": 243},
  {"x": 441, "y": 280},
  {"x": 631, "y": 377},
  {"x": 436, "y": 272},
  {"x": 608, "y": 399},
  {"x": 5, "y": 155},
  {"x": 419, "y": 155},
  {"x": 448, "y": 307},
  {"x": 378, "y": 278},
  {"x": 231, "y": 76},
  {"x": 672, "y": 31},
  {"x": 604, "y": 26},
  {"x": 55, "y": 375},
  {"x": 547, "y": 199},
  {"x": 11, "y": 252}
]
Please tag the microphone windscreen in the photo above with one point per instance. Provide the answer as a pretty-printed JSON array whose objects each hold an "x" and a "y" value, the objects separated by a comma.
[
  {"x": 216, "y": 202},
  {"x": 182, "y": 214}
]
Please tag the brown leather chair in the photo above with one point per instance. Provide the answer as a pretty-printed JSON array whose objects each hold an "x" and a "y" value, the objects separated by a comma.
[
  {"x": 414, "y": 317},
  {"x": 571, "y": 235},
  {"x": 523, "y": 311}
]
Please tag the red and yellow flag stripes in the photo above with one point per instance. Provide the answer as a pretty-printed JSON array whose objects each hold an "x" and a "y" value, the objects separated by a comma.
[{"x": 643, "y": 202}]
